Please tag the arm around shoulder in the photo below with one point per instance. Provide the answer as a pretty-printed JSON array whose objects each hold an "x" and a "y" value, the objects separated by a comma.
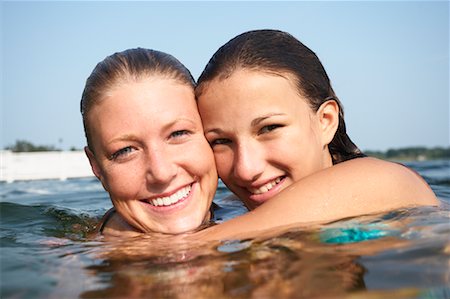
[
  {"x": 389, "y": 184},
  {"x": 356, "y": 187}
]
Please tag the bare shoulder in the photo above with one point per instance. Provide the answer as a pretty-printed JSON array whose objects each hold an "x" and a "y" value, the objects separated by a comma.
[
  {"x": 386, "y": 179},
  {"x": 357, "y": 187},
  {"x": 370, "y": 163}
]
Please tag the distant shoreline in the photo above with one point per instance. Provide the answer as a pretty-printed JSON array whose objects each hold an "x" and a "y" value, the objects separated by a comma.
[
  {"x": 62, "y": 165},
  {"x": 412, "y": 154}
]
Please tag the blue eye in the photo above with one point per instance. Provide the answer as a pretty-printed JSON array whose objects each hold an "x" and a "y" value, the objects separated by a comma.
[
  {"x": 121, "y": 153},
  {"x": 269, "y": 128}
]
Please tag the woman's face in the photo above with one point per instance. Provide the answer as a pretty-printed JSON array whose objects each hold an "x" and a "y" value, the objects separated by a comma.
[
  {"x": 263, "y": 134},
  {"x": 151, "y": 156}
]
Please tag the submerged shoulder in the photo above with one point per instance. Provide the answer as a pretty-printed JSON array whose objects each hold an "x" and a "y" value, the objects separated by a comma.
[{"x": 115, "y": 226}]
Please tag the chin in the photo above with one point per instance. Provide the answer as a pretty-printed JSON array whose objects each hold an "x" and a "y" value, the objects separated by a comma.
[{"x": 184, "y": 227}]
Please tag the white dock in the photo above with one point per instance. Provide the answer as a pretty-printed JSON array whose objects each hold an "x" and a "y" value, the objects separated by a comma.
[{"x": 43, "y": 165}]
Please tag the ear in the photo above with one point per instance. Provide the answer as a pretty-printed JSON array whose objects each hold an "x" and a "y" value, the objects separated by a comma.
[
  {"x": 94, "y": 165},
  {"x": 328, "y": 116}
]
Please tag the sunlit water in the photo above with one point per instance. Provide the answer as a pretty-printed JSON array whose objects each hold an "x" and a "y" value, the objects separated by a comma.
[{"x": 46, "y": 252}]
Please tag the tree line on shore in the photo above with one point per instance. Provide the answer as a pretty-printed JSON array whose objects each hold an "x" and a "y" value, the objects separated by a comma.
[
  {"x": 412, "y": 153},
  {"x": 406, "y": 153},
  {"x": 22, "y": 146}
]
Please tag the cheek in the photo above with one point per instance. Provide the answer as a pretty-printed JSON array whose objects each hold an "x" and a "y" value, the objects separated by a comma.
[
  {"x": 122, "y": 183},
  {"x": 302, "y": 162},
  {"x": 202, "y": 165},
  {"x": 202, "y": 168},
  {"x": 295, "y": 151},
  {"x": 199, "y": 158},
  {"x": 224, "y": 163}
]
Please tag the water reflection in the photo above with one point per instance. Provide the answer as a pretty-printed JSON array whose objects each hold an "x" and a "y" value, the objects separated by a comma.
[
  {"x": 46, "y": 252},
  {"x": 293, "y": 265}
]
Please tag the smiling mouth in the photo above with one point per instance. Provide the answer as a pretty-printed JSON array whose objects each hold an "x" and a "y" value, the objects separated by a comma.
[
  {"x": 266, "y": 187},
  {"x": 180, "y": 195}
]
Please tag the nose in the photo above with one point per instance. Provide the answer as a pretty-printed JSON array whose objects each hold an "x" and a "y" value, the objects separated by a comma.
[
  {"x": 248, "y": 162},
  {"x": 161, "y": 167}
]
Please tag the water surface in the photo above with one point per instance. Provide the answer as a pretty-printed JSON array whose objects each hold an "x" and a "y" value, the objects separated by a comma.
[{"x": 46, "y": 251}]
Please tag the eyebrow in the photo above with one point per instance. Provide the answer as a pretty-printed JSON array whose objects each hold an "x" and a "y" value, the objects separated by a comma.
[
  {"x": 254, "y": 122},
  {"x": 181, "y": 119},
  {"x": 258, "y": 120},
  {"x": 132, "y": 137},
  {"x": 125, "y": 137}
]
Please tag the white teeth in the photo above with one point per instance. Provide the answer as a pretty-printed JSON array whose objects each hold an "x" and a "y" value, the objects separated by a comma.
[
  {"x": 266, "y": 187},
  {"x": 166, "y": 201},
  {"x": 172, "y": 199}
]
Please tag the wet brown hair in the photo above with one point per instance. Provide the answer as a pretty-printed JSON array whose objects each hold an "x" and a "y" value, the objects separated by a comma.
[
  {"x": 280, "y": 53},
  {"x": 128, "y": 66}
]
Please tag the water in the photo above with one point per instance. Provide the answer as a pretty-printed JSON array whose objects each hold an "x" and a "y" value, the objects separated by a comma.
[{"x": 46, "y": 252}]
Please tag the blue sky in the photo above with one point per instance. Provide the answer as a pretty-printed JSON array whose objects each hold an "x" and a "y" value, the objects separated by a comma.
[{"x": 388, "y": 61}]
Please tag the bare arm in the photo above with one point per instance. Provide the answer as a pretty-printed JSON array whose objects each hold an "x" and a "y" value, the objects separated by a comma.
[{"x": 352, "y": 188}]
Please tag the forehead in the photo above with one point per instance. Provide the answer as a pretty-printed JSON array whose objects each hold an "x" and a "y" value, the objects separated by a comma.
[
  {"x": 244, "y": 85},
  {"x": 246, "y": 80},
  {"x": 153, "y": 100},
  {"x": 249, "y": 94},
  {"x": 154, "y": 93}
]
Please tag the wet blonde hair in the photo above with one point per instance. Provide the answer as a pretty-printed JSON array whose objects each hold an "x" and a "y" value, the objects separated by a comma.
[{"x": 126, "y": 66}]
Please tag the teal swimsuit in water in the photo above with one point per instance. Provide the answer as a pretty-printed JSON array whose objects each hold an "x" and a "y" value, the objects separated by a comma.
[
  {"x": 355, "y": 232},
  {"x": 358, "y": 232}
]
